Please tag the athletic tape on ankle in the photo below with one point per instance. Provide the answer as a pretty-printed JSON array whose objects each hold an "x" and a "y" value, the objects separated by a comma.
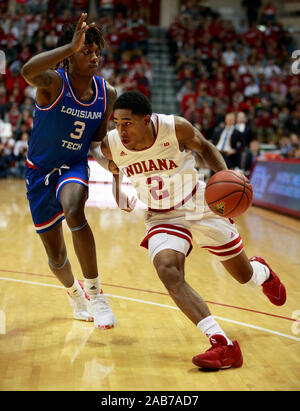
[
  {"x": 58, "y": 268},
  {"x": 80, "y": 227}
]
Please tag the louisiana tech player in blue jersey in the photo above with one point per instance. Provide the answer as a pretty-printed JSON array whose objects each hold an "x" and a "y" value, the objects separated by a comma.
[
  {"x": 73, "y": 106},
  {"x": 63, "y": 131}
]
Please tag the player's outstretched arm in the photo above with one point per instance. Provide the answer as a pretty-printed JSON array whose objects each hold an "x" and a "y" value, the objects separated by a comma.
[
  {"x": 123, "y": 201},
  {"x": 38, "y": 71},
  {"x": 101, "y": 152},
  {"x": 191, "y": 139}
]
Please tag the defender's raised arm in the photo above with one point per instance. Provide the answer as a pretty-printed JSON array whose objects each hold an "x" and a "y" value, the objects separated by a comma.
[{"x": 38, "y": 71}]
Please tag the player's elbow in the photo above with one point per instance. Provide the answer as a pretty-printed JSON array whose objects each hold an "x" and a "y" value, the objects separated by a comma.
[
  {"x": 25, "y": 72},
  {"x": 29, "y": 74}
]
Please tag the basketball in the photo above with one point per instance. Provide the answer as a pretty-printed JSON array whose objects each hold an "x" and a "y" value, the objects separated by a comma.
[{"x": 228, "y": 193}]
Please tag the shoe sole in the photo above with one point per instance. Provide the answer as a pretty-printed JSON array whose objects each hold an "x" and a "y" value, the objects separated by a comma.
[
  {"x": 217, "y": 365},
  {"x": 213, "y": 366},
  {"x": 82, "y": 318},
  {"x": 105, "y": 327}
]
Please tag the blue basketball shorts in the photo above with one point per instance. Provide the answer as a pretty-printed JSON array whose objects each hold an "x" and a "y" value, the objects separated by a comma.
[{"x": 43, "y": 193}]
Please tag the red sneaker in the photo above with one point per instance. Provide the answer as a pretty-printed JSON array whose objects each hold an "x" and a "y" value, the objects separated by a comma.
[
  {"x": 272, "y": 287},
  {"x": 220, "y": 355}
]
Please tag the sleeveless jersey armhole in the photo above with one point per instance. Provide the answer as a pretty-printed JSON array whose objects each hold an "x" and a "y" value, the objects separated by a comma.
[
  {"x": 113, "y": 144},
  {"x": 174, "y": 132},
  {"x": 50, "y": 106},
  {"x": 105, "y": 96},
  {"x": 171, "y": 124}
]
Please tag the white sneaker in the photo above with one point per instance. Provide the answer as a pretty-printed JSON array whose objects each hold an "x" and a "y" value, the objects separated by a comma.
[
  {"x": 80, "y": 306},
  {"x": 104, "y": 318}
]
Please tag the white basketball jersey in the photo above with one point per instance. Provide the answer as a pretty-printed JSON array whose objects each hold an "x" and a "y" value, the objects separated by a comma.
[{"x": 163, "y": 176}]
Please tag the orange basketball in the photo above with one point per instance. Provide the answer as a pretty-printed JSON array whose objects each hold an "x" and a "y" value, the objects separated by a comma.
[{"x": 228, "y": 193}]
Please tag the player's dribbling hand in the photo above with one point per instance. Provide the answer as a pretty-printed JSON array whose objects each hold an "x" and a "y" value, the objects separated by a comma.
[
  {"x": 131, "y": 203},
  {"x": 79, "y": 34}
]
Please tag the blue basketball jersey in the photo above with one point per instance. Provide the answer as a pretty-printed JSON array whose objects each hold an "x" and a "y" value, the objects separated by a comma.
[{"x": 62, "y": 131}]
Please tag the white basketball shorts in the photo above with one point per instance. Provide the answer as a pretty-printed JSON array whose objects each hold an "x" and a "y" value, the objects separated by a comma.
[{"x": 179, "y": 229}]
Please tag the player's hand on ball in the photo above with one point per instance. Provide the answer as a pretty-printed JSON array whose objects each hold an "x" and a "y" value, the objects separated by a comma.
[{"x": 228, "y": 193}]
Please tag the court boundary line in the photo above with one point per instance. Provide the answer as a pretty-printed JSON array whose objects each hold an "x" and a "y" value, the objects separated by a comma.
[
  {"x": 291, "y": 337},
  {"x": 165, "y": 294}
]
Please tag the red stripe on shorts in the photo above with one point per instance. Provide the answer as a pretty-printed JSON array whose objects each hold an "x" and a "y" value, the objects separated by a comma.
[
  {"x": 174, "y": 227},
  {"x": 231, "y": 252},
  {"x": 165, "y": 228},
  {"x": 224, "y": 246}
]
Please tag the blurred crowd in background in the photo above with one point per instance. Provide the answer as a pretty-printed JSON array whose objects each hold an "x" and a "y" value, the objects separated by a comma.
[
  {"x": 220, "y": 69},
  {"x": 243, "y": 69},
  {"x": 35, "y": 27}
]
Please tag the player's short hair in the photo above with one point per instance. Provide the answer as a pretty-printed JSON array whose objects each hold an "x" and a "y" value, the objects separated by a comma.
[
  {"x": 93, "y": 35},
  {"x": 135, "y": 101}
]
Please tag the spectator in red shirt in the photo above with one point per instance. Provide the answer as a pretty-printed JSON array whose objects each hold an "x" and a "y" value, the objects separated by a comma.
[
  {"x": 207, "y": 121},
  {"x": 14, "y": 79},
  {"x": 190, "y": 111},
  {"x": 113, "y": 38},
  {"x": 228, "y": 34},
  {"x": 252, "y": 35},
  {"x": 269, "y": 13},
  {"x": 216, "y": 28},
  {"x": 14, "y": 116},
  {"x": 141, "y": 35},
  {"x": 264, "y": 129},
  {"x": 25, "y": 54}
]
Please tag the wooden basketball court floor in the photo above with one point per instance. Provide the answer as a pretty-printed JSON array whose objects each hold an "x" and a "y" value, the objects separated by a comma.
[{"x": 43, "y": 348}]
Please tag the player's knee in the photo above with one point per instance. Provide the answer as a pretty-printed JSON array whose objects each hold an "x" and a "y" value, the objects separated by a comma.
[
  {"x": 171, "y": 276},
  {"x": 56, "y": 257},
  {"x": 74, "y": 214}
]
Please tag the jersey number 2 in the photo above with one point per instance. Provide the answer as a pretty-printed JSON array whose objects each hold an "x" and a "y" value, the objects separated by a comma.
[
  {"x": 78, "y": 130},
  {"x": 157, "y": 191}
]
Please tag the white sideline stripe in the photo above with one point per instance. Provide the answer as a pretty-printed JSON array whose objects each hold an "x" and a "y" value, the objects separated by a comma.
[
  {"x": 31, "y": 282},
  {"x": 291, "y": 337}
]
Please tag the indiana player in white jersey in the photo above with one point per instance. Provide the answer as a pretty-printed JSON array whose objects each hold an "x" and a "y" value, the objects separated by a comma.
[{"x": 155, "y": 152}]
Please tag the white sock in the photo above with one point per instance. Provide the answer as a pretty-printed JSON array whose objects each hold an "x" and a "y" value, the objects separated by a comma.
[
  {"x": 209, "y": 327},
  {"x": 260, "y": 274},
  {"x": 75, "y": 290},
  {"x": 92, "y": 286}
]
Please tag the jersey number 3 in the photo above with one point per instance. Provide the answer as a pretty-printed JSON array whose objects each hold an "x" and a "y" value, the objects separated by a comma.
[{"x": 80, "y": 127}]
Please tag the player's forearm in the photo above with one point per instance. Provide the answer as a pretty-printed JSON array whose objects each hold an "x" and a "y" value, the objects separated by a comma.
[
  {"x": 45, "y": 61},
  {"x": 120, "y": 197},
  {"x": 213, "y": 157},
  {"x": 96, "y": 152}
]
